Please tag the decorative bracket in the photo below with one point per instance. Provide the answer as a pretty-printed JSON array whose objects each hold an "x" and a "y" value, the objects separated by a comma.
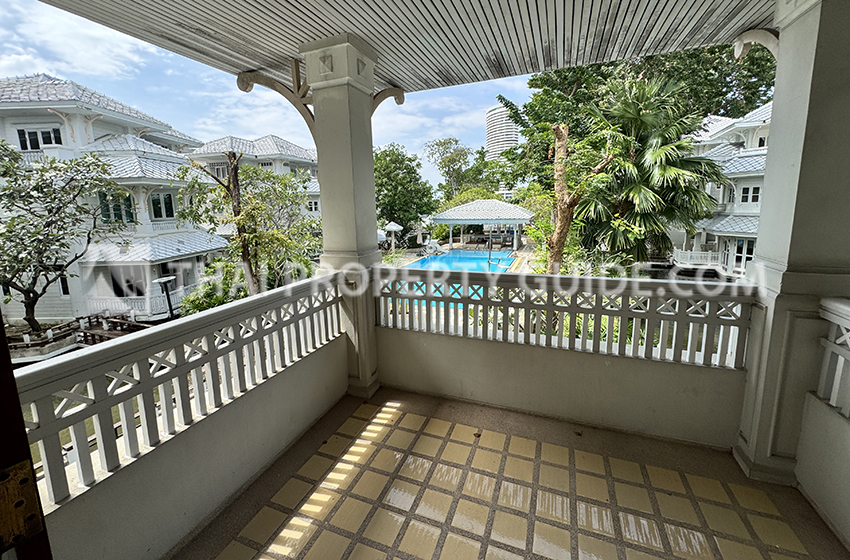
[
  {"x": 66, "y": 118},
  {"x": 141, "y": 131},
  {"x": 394, "y": 92},
  {"x": 89, "y": 120},
  {"x": 766, "y": 37},
  {"x": 297, "y": 96}
]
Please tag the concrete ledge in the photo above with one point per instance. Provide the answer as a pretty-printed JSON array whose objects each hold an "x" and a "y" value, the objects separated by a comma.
[
  {"x": 683, "y": 402},
  {"x": 823, "y": 461},
  {"x": 144, "y": 509}
]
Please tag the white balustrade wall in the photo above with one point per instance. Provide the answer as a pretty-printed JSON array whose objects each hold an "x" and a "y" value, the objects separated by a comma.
[
  {"x": 161, "y": 380},
  {"x": 154, "y": 304},
  {"x": 687, "y": 322},
  {"x": 834, "y": 385},
  {"x": 697, "y": 257}
]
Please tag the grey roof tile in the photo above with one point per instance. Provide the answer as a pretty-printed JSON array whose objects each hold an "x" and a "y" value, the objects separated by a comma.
[
  {"x": 269, "y": 145},
  {"x": 746, "y": 162},
  {"x": 725, "y": 224},
  {"x": 484, "y": 212},
  {"x": 762, "y": 114},
  {"x": 161, "y": 248},
  {"x": 710, "y": 126}
]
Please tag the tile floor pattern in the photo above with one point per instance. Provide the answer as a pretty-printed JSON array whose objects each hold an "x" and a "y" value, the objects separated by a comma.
[{"x": 394, "y": 484}]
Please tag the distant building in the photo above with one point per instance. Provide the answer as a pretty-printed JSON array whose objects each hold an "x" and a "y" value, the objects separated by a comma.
[
  {"x": 502, "y": 133},
  {"x": 269, "y": 152},
  {"x": 48, "y": 117},
  {"x": 728, "y": 239}
]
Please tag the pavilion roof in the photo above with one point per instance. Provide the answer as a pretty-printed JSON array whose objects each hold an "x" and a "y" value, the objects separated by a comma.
[{"x": 484, "y": 212}]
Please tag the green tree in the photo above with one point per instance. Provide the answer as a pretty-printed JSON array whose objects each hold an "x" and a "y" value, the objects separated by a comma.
[
  {"x": 273, "y": 235},
  {"x": 225, "y": 282},
  {"x": 462, "y": 167},
  {"x": 657, "y": 183},
  {"x": 51, "y": 217},
  {"x": 401, "y": 193}
]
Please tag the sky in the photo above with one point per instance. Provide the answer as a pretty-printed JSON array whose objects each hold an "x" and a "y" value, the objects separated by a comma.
[{"x": 205, "y": 102}]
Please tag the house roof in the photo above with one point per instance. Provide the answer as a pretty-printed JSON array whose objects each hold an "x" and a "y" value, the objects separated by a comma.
[
  {"x": 747, "y": 161},
  {"x": 760, "y": 115},
  {"x": 484, "y": 212},
  {"x": 153, "y": 250},
  {"x": 725, "y": 224},
  {"x": 45, "y": 89},
  {"x": 313, "y": 187},
  {"x": 710, "y": 126},
  {"x": 723, "y": 152},
  {"x": 428, "y": 45},
  {"x": 269, "y": 145},
  {"x": 131, "y": 157}
]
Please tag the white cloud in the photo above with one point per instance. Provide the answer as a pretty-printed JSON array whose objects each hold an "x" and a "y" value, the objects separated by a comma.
[
  {"x": 227, "y": 111},
  {"x": 40, "y": 38}
]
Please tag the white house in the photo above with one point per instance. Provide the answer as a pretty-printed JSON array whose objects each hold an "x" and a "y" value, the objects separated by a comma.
[
  {"x": 269, "y": 152},
  {"x": 728, "y": 239},
  {"x": 49, "y": 117}
]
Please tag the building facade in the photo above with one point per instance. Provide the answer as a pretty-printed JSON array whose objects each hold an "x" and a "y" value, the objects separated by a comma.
[
  {"x": 502, "y": 133},
  {"x": 269, "y": 152},
  {"x": 727, "y": 240},
  {"x": 47, "y": 117}
]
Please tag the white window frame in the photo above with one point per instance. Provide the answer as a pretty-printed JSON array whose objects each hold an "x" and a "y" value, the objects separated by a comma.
[
  {"x": 161, "y": 195},
  {"x": 54, "y": 132}
]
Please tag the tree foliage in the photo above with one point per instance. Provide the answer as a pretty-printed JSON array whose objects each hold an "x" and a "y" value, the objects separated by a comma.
[
  {"x": 401, "y": 193},
  {"x": 274, "y": 238},
  {"x": 51, "y": 217},
  {"x": 461, "y": 167}
]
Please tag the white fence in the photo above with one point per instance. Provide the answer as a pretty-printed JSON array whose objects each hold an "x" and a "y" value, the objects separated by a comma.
[
  {"x": 697, "y": 257},
  {"x": 833, "y": 387},
  {"x": 146, "y": 306},
  {"x": 708, "y": 325},
  {"x": 154, "y": 383}
]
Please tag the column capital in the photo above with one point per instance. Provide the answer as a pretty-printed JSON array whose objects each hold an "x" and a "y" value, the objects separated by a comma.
[
  {"x": 789, "y": 10},
  {"x": 341, "y": 60}
]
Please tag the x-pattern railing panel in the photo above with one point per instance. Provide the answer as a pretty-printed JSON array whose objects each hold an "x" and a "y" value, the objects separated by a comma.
[
  {"x": 166, "y": 378},
  {"x": 649, "y": 319},
  {"x": 834, "y": 383}
]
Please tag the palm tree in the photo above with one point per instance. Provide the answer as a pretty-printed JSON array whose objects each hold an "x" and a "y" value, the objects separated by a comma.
[{"x": 658, "y": 184}]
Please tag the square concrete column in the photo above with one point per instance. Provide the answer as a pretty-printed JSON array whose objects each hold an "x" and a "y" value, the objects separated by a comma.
[
  {"x": 340, "y": 71},
  {"x": 801, "y": 252}
]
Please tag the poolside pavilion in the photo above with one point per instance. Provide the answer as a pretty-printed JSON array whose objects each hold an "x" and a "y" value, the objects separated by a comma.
[
  {"x": 485, "y": 212},
  {"x": 241, "y": 383}
]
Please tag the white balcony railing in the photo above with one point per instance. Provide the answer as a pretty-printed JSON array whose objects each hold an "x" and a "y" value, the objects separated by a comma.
[
  {"x": 173, "y": 374},
  {"x": 833, "y": 387},
  {"x": 147, "y": 306},
  {"x": 703, "y": 258},
  {"x": 162, "y": 225},
  {"x": 705, "y": 324}
]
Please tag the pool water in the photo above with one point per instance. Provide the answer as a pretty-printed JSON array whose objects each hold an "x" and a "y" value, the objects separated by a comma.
[{"x": 473, "y": 261}]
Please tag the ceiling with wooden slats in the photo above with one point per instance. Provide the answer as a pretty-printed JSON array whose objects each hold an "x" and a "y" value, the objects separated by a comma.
[{"x": 428, "y": 44}]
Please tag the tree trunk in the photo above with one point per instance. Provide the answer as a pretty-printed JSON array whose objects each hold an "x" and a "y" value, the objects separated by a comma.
[
  {"x": 29, "y": 315},
  {"x": 236, "y": 203},
  {"x": 564, "y": 202}
]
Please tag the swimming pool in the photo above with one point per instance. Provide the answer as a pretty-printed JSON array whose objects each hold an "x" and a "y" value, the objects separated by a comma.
[{"x": 473, "y": 261}]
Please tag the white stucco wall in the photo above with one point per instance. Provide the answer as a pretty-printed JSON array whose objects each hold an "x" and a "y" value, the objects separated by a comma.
[
  {"x": 143, "y": 510},
  {"x": 690, "y": 403},
  {"x": 823, "y": 462}
]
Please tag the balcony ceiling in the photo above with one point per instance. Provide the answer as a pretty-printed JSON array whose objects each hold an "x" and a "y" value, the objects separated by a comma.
[{"x": 428, "y": 44}]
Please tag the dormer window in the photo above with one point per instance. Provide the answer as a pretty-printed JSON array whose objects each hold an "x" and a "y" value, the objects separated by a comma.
[
  {"x": 219, "y": 170},
  {"x": 35, "y": 138}
]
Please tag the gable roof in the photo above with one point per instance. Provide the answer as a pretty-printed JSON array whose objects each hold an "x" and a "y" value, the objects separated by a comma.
[
  {"x": 44, "y": 89},
  {"x": 269, "y": 145},
  {"x": 488, "y": 211}
]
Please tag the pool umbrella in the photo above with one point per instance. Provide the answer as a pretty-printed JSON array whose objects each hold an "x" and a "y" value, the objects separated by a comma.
[{"x": 393, "y": 227}]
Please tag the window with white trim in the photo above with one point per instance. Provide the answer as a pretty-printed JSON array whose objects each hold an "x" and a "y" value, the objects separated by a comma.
[
  {"x": 64, "y": 289},
  {"x": 266, "y": 165},
  {"x": 312, "y": 205},
  {"x": 750, "y": 194},
  {"x": 162, "y": 205},
  {"x": 219, "y": 170},
  {"x": 128, "y": 281},
  {"x": 115, "y": 209},
  {"x": 35, "y": 138},
  {"x": 730, "y": 195}
]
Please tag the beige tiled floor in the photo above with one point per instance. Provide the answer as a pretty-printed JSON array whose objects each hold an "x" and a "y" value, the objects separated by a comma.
[{"x": 402, "y": 478}]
